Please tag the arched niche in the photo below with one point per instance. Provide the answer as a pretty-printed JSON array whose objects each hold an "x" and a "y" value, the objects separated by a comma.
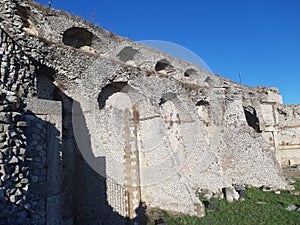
[
  {"x": 163, "y": 64},
  {"x": 252, "y": 118},
  {"x": 167, "y": 97},
  {"x": 24, "y": 13},
  {"x": 77, "y": 37},
  {"x": 109, "y": 90},
  {"x": 127, "y": 54},
  {"x": 190, "y": 72}
]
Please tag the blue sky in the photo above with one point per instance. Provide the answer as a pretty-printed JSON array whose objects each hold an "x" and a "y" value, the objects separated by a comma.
[{"x": 261, "y": 39}]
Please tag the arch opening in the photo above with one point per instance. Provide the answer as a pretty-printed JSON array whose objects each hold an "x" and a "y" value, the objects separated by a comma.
[
  {"x": 163, "y": 65},
  {"x": 24, "y": 13},
  {"x": 202, "y": 102},
  {"x": 252, "y": 118},
  {"x": 167, "y": 97},
  {"x": 109, "y": 90},
  {"x": 127, "y": 54},
  {"x": 44, "y": 81},
  {"x": 190, "y": 72},
  {"x": 77, "y": 37}
]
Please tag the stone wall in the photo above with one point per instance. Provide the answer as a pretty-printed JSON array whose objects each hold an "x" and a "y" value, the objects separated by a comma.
[
  {"x": 288, "y": 134},
  {"x": 44, "y": 122},
  {"x": 137, "y": 127},
  {"x": 15, "y": 201},
  {"x": 282, "y": 129},
  {"x": 16, "y": 66},
  {"x": 30, "y": 161},
  {"x": 279, "y": 125}
]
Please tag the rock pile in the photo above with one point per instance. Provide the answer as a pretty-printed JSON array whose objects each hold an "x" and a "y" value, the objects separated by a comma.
[{"x": 229, "y": 193}]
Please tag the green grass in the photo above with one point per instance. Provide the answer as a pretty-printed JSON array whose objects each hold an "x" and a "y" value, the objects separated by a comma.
[{"x": 247, "y": 212}]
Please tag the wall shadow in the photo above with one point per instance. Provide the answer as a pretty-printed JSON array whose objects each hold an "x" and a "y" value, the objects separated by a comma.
[
  {"x": 90, "y": 186},
  {"x": 44, "y": 165},
  {"x": 29, "y": 188},
  {"x": 84, "y": 189},
  {"x": 90, "y": 182}
]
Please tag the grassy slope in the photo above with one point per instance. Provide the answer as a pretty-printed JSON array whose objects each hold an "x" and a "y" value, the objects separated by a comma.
[{"x": 247, "y": 212}]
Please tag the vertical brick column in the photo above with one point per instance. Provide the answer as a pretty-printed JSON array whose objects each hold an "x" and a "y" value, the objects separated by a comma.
[{"x": 131, "y": 157}]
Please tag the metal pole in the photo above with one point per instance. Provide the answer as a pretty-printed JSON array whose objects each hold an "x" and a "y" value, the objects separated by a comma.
[{"x": 93, "y": 17}]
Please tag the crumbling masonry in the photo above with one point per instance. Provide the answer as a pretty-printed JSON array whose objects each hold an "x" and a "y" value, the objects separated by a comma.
[{"x": 95, "y": 127}]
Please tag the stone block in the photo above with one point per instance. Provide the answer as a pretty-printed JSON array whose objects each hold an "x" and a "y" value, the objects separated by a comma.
[
  {"x": 230, "y": 194},
  {"x": 5, "y": 118},
  {"x": 13, "y": 160},
  {"x": 21, "y": 124}
]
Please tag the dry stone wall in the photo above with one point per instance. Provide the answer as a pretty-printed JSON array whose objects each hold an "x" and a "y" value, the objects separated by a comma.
[
  {"x": 15, "y": 204},
  {"x": 16, "y": 66},
  {"x": 44, "y": 149},
  {"x": 26, "y": 187}
]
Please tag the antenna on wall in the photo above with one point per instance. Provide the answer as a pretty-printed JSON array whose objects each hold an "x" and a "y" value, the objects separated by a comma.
[
  {"x": 111, "y": 27},
  {"x": 93, "y": 17},
  {"x": 240, "y": 77}
]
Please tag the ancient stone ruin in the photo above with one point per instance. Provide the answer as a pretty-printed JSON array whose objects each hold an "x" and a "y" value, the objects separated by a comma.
[{"x": 94, "y": 128}]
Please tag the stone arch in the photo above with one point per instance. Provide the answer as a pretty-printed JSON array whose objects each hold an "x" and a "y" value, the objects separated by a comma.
[
  {"x": 163, "y": 64},
  {"x": 127, "y": 54},
  {"x": 190, "y": 72},
  {"x": 202, "y": 103},
  {"x": 44, "y": 82},
  {"x": 109, "y": 90},
  {"x": 77, "y": 37}
]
